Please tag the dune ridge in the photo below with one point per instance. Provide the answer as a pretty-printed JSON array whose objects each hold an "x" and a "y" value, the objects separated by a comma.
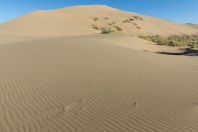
[{"x": 77, "y": 20}]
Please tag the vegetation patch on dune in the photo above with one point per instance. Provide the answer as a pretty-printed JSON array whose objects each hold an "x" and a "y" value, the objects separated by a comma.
[
  {"x": 95, "y": 19},
  {"x": 174, "y": 40},
  {"x": 137, "y": 18},
  {"x": 106, "y": 18},
  {"x": 134, "y": 18},
  {"x": 95, "y": 27},
  {"x": 108, "y": 29}
]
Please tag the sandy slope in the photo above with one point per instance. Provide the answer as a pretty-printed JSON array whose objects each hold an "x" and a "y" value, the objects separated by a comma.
[
  {"x": 82, "y": 84},
  {"x": 57, "y": 74},
  {"x": 194, "y": 25},
  {"x": 77, "y": 20}
]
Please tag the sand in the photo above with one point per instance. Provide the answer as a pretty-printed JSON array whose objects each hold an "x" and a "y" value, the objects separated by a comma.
[
  {"x": 94, "y": 83},
  {"x": 78, "y": 21}
]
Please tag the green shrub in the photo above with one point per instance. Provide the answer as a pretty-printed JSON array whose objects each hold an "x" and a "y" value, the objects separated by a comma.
[
  {"x": 174, "y": 40},
  {"x": 110, "y": 29},
  {"x": 107, "y": 30}
]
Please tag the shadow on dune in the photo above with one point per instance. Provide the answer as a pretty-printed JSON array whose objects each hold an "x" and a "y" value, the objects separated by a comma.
[{"x": 187, "y": 52}]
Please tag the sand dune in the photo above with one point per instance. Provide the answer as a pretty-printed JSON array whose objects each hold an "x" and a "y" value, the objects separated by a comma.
[
  {"x": 84, "y": 84},
  {"x": 77, "y": 20},
  {"x": 194, "y": 25},
  {"x": 57, "y": 74}
]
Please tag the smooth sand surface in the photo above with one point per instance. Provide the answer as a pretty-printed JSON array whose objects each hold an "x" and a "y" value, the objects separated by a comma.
[{"x": 93, "y": 82}]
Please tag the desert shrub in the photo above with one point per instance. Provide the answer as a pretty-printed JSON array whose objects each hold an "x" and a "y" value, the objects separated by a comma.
[
  {"x": 138, "y": 27},
  {"x": 126, "y": 21},
  {"x": 131, "y": 19},
  {"x": 137, "y": 18},
  {"x": 107, "y": 30},
  {"x": 95, "y": 27},
  {"x": 174, "y": 40},
  {"x": 106, "y": 18},
  {"x": 95, "y": 19},
  {"x": 110, "y": 29},
  {"x": 118, "y": 28}
]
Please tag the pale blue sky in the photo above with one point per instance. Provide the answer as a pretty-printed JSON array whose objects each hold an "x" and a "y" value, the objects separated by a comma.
[{"x": 184, "y": 11}]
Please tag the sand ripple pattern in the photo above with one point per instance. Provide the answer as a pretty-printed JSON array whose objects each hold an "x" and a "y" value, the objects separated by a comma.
[{"x": 55, "y": 86}]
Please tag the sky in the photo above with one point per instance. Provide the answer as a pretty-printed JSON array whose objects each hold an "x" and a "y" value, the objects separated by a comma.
[{"x": 182, "y": 11}]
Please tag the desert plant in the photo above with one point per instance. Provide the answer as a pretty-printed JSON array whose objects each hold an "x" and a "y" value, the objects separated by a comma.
[
  {"x": 106, "y": 18},
  {"x": 95, "y": 27},
  {"x": 118, "y": 28},
  {"x": 174, "y": 40},
  {"x": 110, "y": 29},
  {"x": 131, "y": 19},
  {"x": 137, "y": 18},
  {"x": 95, "y": 19},
  {"x": 126, "y": 21},
  {"x": 107, "y": 30},
  {"x": 138, "y": 27}
]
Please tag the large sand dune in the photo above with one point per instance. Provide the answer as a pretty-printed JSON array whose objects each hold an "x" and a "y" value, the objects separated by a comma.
[
  {"x": 78, "y": 20},
  {"x": 72, "y": 79}
]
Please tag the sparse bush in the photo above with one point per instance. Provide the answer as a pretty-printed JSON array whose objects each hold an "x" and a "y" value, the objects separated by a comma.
[
  {"x": 95, "y": 19},
  {"x": 118, "y": 28},
  {"x": 106, "y": 18},
  {"x": 174, "y": 40},
  {"x": 110, "y": 29},
  {"x": 126, "y": 21},
  {"x": 138, "y": 27},
  {"x": 137, "y": 18},
  {"x": 131, "y": 19},
  {"x": 95, "y": 27},
  {"x": 107, "y": 30}
]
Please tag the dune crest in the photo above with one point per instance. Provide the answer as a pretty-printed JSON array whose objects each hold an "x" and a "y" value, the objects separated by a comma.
[{"x": 77, "y": 20}]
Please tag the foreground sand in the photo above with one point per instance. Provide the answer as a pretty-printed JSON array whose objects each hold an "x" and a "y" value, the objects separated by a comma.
[
  {"x": 86, "y": 84},
  {"x": 58, "y": 74}
]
